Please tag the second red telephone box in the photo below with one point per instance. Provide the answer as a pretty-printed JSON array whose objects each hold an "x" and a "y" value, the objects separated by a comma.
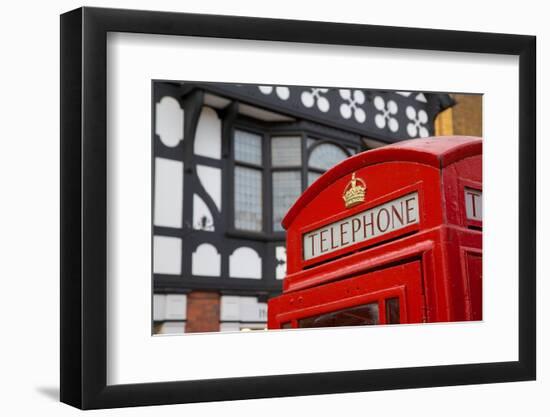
[{"x": 392, "y": 235}]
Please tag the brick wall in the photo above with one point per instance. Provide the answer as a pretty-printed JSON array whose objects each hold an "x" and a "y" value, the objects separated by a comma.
[
  {"x": 467, "y": 114},
  {"x": 203, "y": 312}
]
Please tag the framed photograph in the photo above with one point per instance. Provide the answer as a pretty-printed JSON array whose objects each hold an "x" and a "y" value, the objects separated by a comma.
[{"x": 259, "y": 208}]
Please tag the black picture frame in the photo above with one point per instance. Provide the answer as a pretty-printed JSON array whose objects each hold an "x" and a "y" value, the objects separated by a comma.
[{"x": 84, "y": 207}]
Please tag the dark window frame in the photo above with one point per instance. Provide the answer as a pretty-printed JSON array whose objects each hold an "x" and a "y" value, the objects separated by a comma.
[
  {"x": 261, "y": 167},
  {"x": 268, "y": 130},
  {"x": 319, "y": 142}
]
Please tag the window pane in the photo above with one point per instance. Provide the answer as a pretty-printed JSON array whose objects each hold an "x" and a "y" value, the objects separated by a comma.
[
  {"x": 392, "y": 311},
  {"x": 248, "y": 199},
  {"x": 286, "y": 151},
  {"x": 287, "y": 187},
  {"x": 248, "y": 147},
  {"x": 312, "y": 177},
  {"x": 354, "y": 316},
  {"x": 325, "y": 156}
]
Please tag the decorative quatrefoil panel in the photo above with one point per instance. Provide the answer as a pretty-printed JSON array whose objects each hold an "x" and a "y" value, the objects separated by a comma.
[
  {"x": 387, "y": 111},
  {"x": 352, "y": 105}
]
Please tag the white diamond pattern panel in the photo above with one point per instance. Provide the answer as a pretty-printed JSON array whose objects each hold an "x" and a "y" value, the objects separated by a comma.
[
  {"x": 167, "y": 255},
  {"x": 208, "y": 135},
  {"x": 248, "y": 199},
  {"x": 169, "y": 121},
  {"x": 287, "y": 186},
  {"x": 168, "y": 193},
  {"x": 286, "y": 151}
]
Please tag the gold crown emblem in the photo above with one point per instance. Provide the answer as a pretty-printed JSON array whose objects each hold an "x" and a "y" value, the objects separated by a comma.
[{"x": 354, "y": 193}]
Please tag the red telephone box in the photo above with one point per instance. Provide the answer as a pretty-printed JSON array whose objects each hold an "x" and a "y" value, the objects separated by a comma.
[{"x": 391, "y": 235}]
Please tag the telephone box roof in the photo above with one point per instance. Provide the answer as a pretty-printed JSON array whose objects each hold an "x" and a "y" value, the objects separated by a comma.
[{"x": 436, "y": 151}]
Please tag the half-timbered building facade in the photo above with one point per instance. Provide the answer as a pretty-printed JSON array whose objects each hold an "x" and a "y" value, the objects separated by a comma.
[{"x": 229, "y": 160}]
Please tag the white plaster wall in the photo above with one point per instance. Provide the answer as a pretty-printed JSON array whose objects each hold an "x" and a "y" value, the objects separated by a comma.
[
  {"x": 230, "y": 327},
  {"x": 254, "y": 311},
  {"x": 206, "y": 261},
  {"x": 167, "y": 255},
  {"x": 169, "y": 307},
  {"x": 242, "y": 308},
  {"x": 168, "y": 193},
  {"x": 245, "y": 263},
  {"x": 159, "y": 307},
  {"x": 169, "y": 121},
  {"x": 173, "y": 327},
  {"x": 208, "y": 137},
  {"x": 176, "y": 307},
  {"x": 230, "y": 308}
]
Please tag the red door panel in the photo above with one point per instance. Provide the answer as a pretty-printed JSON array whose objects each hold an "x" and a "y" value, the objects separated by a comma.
[{"x": 473, "y": 278}]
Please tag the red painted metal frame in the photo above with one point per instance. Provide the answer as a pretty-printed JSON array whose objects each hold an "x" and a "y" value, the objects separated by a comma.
[
  {"x": 444, "y": 244},
  {"x": 359, "y": 290},
  {"x": 475, "y": 185}
]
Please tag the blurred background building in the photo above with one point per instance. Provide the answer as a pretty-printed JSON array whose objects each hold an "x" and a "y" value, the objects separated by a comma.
[{"x": 230, "y": 159}]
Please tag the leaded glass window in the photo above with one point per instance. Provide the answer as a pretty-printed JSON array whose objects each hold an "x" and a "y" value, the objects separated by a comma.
[
  {"x": 286, "y": 172},
  {"x": 248, "y": 199},
  {"x": 248, "y": 147},
  {"x": 325, "y": 156},
  {"x": 286, "y": 151},
  {"x": 287, "y": 187}
]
